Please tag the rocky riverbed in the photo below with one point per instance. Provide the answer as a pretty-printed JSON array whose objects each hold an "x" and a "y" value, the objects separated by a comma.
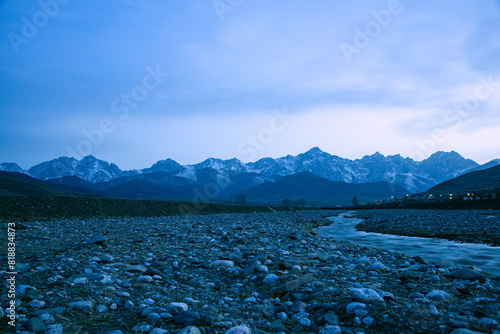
[
  {"x": 234, "y": 274},
  {"x": 475, "y": 226}
]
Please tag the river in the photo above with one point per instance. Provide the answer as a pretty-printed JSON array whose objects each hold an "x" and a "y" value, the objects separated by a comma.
[{"x": 467, "y": 254}]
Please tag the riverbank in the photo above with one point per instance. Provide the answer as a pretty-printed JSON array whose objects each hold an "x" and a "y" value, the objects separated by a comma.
[
  {"x": 473, "y": 226},
  {"x": 45, "y": 208},
  {"x": 234, "y": 273}
]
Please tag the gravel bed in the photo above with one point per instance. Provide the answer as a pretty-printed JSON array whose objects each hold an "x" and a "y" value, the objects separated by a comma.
[
  {"x": 233, "y": 274},
  {"x": 475, "y": 226}
]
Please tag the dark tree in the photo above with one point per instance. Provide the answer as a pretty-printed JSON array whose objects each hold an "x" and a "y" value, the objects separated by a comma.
[
  {"x": 302, "y": 202},
  {"x": 240, "y": 199},
  {"x": 355, "y": 201}
]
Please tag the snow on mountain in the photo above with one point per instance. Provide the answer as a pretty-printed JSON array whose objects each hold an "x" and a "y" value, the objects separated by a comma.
[
  {"x": 167, "y": 165},
  {"x": 89, "y": 169},
  {"x": 442, "y": 166},
  {"x": 416, "y": 176},
  {"x": 11, "y": 167}
]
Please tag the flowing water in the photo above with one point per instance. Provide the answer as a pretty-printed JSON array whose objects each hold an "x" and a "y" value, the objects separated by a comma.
[{"x": 466, "y": 254}]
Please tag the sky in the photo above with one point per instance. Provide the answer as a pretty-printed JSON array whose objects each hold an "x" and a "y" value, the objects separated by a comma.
[{"x": 134, "y": 82}]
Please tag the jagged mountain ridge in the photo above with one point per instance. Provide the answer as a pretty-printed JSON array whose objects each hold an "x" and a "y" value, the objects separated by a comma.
[{"x": 416, "y": 176}]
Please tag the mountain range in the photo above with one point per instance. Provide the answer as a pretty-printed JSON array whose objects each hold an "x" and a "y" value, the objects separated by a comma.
[{"x": 415, "y": 176}]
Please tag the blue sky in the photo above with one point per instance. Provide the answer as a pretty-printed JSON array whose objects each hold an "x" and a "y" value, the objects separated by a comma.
[{"x": 133, "y": 82}]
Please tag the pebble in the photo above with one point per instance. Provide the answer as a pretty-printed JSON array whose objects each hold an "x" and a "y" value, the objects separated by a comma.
[
  {"x": 239, "y": 330},
  {"x": 438, "y": 295},
  {"x": 82, "y": 306},
  {"x": 465, "y": 331},
  {"x": 189, "y": 330},
  {"x": 270, "y": 279},
  {"x": 145, "y": 279},
  {"x": 468, "y": 274},
  {"x": 368, "y": 321},
  {"x": 175, "y": 308},
  {"x": 35, "y": 325},
  {"x": 365, "y": 294},
  {"x": 53, "y": 329},
  {"x": 231, "y": 272},
  {"x": 351, "y": 307},
  {"x": 330, "y": 330}
]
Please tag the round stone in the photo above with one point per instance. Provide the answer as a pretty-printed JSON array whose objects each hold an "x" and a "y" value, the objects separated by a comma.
[
  {"x": 330, "y": 330},
  {"x": 270, "y": 279},
  {"x": 239, "y": 330}
]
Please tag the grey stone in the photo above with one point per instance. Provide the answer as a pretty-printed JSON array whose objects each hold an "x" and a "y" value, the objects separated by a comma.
[
  {"x": 97, "y": 240},
  {"x": 330, "y": 330},
  {"x": 468, "y": 274},
  {"x": 141, "y": 329},
  {"x": 438, "y": 295},
  {"x": 351, "y": 307},
  {"x": 81, "y": 306},
  {"x": 36, "y": 325},
  {"x": 270, "y": 279},
  {"x": 53, "y": 329},
  {"x": 187, "y": 318},
  {"x": 136, "y": 269},
  {"x": 107, "y": 258},
  {"x": 305, "y": 322},
  {"x": 249, "y": 268},
  {"x": 487, "y": 322},
  {"x": 145, "y": 279},
  {"x": 158, "y": 331},
  {"x": 239, "y": 330},
  {"x": 189, "y": 330},
  {"x": 222, "y": 263},
  {"x": 365, "y": 294},
  {"x": 332, "y": 318},
  {"x": 175, "y": 308},
  {"x": 298, "y": 307},
  {"x": 368, "y": 321},
  {"x": 465, "y": 331}
]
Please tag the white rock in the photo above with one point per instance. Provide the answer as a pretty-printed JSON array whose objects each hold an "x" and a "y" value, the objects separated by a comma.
[
  {"x": 189, "y": 330},
  {"x": 101, "y": 308},
  {"x": 305, "y": 322},
  {"x": 351, "y": 307},
  {"x": 145, "y": 279},
  {"x": 36, "y": 304},
  {"x": 368, "y": 321},
  {"x": 82, "y": 306},
  {"x": 175, "y": 308},
  {"x": 239, "y": 330},
  {"x": 222, "y": 263},
  {"x": 438, "y": 295},
  {"x": 366, "y": 294},
  {"x": 487, "y": 322},
  {"x": 159, "y": 331},
  {"x": 141, "y": 328},
  {"x": 330, "y": 330},
  {"x": 270, "y": 279},
  {"x": 80, "y": 280},
  {"x": 251, "y": 300},
  {"x": 107, "y": 258}
]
